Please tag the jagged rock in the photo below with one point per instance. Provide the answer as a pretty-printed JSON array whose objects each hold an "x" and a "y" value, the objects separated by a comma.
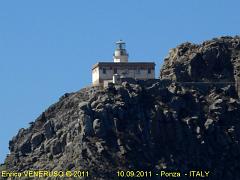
[
  {"x": 37, "y": 139},
  {"x": 48, "y": 129},
  {"x": 87, "y": 125},
  {"x": 56, "y": 147},
  {"x": 99, "y": 128},
  {"x": 100, "y": 147},
  {"x": 212, "y": 61},
  {"x": 25, "y": 147},
  {"x": 94, "y": 104},
  {"x": 83, "y": 106},
  {"x": 177, "y": 103},
  {"x": 208, "y": 123}
]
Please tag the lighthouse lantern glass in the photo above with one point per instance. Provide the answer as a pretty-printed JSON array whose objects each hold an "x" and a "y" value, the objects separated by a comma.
[{"x": 120, "y": 45}]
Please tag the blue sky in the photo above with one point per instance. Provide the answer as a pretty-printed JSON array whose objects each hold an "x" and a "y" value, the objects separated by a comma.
[{"x": 47, "y": 48}]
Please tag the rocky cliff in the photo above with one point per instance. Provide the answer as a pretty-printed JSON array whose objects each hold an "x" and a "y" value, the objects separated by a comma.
[
  {"x": 145, "y": 125},
  {"x": 217, "y": 60}
]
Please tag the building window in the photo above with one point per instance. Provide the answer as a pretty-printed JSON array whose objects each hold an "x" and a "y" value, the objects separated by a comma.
[
  {"x": 104, "y": 70},
  {"x": 138, "y": 70},
  {"x": 115, "y": 70},
  {"x": 149, "y": 71}
]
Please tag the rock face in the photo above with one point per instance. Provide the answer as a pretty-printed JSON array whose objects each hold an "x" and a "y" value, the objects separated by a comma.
[
  {"x": 144, "y": 125},
  {"x": 217, "y": 60}
]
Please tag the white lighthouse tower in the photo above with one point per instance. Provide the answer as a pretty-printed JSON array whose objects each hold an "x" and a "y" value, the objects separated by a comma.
[{"x": 120, "y": 54}]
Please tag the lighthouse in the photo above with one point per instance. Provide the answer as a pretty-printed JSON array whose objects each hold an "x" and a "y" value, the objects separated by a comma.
[
  {"x": 120, "y": 53},
  {"x": 104, "y": 71}
]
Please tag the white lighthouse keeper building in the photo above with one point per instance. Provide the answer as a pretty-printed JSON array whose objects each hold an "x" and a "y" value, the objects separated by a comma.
[{"x": 104, "y": 71}]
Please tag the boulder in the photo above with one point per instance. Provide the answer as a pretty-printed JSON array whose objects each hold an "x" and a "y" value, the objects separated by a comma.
[
  {"x": 56, "y": 147},
  {"x": 25, "y": 146},
  {"x": 86, "y": 125},
  {"x": 99, "y": 128},
  {"x": 48, "y": 129},
  {"x": 37, "y": 139}
]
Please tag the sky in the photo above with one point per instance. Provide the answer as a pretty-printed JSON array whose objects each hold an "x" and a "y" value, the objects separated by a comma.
[{"x": 47, "y": 48}]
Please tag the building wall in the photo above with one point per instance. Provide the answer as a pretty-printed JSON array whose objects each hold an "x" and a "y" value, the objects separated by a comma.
[
  {"x": 95, "y": 76},
  {"x": 99, "y": 76}
]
